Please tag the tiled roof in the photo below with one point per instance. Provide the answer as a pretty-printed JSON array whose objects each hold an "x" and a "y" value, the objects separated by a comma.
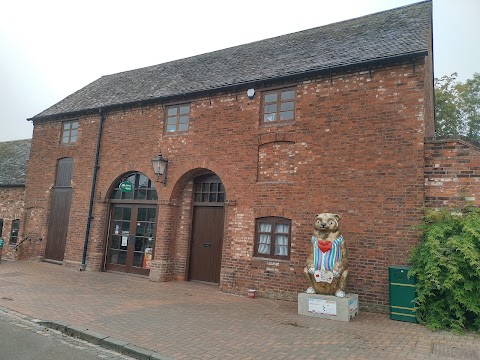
[
  {"x": 388, "y": 34},
  {"x": 13, "y": 162}
]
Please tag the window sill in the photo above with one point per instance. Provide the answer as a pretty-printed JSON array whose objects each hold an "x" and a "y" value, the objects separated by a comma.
[
  {"x": 186, "y": 133},
  {"x": 258, "y": 258},
  {"x": 275, "y": 182},
  {"x": 277, "y": 123}
]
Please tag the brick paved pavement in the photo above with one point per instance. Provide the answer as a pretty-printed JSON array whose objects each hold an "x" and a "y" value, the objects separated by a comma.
[{"x": 196, "y": 321}]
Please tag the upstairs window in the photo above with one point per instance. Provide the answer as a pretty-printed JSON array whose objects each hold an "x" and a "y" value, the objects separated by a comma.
[
  {"x": 272, "y": 237},
  {"x": 178, "y": 118},
  {"x": 1, "y": 227},
  {"x": 14, "y": 232},
  {"x": 278, "y": 106},
  {"x": 69, "y": 132}
]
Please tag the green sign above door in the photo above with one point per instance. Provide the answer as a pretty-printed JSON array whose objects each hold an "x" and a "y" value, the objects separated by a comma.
[{"x": 126, "y": 186}]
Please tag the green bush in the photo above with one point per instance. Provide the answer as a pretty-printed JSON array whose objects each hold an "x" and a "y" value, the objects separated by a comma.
[{"x": 447, "y": 266}]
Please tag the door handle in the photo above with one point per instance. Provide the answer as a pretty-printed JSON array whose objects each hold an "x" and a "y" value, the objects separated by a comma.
[{"x": 207, "y": 244}]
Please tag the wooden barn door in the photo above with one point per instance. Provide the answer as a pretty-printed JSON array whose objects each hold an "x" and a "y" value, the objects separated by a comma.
[
  {"x": 59, "y": 212},
  {"x": 207, "y": 230}
]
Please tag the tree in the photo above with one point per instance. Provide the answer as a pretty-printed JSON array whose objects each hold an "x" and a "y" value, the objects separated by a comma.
[{"x": 457, "y": 106}]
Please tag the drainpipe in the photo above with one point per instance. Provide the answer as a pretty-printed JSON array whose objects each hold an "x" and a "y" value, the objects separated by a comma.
[{"x": 92, "y": 194}]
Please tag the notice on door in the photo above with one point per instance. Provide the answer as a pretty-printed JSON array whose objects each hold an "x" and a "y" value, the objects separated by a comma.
[
  {"x": 320, "y": 306},
  {"x": 124, "y": 238}
]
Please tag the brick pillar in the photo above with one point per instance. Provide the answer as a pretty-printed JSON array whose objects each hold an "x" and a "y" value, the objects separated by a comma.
[{"x": 160, "y": 269}]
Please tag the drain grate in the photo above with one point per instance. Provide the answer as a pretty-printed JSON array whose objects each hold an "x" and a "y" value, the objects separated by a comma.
[{"x": 455, "y": 351}]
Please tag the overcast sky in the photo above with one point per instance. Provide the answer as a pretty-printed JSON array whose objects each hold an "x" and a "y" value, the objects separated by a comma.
[{"x": 49, "y": 49}]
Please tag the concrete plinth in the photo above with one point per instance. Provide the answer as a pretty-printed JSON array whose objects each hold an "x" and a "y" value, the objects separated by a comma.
[{"x": 328, "y": 307}]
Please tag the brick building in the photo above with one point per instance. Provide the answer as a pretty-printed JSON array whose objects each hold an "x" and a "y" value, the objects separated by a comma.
[
  {"x": 13, "y": 170},
  {"x": 259, "y": 138}
]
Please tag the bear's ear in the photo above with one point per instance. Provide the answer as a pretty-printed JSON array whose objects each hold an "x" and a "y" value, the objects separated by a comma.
[{"x": 337, "y": 217}]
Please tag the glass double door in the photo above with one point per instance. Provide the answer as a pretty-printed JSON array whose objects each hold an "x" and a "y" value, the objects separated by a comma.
[{"x": 132, "y": 238}]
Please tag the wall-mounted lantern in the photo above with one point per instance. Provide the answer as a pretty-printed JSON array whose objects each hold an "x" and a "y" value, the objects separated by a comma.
[{"x": 160, "y": 166}]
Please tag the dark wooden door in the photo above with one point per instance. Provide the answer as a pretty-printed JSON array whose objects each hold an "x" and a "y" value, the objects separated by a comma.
[
  {"x": 59, "y": 212},
  {"x": 206, "y": 243},
  {"x": 131, "y": 240}
]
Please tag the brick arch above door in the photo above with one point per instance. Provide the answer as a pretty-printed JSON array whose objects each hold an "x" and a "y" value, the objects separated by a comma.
[{"x": 190, "y": 171}]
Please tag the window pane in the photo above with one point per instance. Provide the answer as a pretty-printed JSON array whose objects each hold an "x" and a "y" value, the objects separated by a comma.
[
  {"x": 75, "y": 125},
  {"x": 66, "y": 126},
  {"x": 286, "y": 106},
  {"x": 286, "y": 115},
  {"x": 138, "y": 259},
  {"x": 184, "y": 109},
  {"x": 198, "y": 197},
  {"x": 73, "y": 139},
  {"x": 183, "y": 119},
  {"x": 264, "y": 244},
  {"x": 141, "y": 194},
  {"x": 143, "y": 181},
  {"x": 282, "y": 228},
  {"x": 270, "y": 108},
  {"x": 115, "y": 242},
  {"x": 172, "y": 121},
  {"x": 152, "y": 195},
  {"x": 213, "y": 187},
  {"x": 139, "y": 244},
  {"x": 172, "y": 111},
  {"x": 125, "y": 227},
  {"x": 183, "y": 127},
  {"x": 213, "y": 197},
  {"x": 264, "y": 227},
  {"x": 288, "y": 95},
  {"x": 65, "y": 139},
  {"x": 118, "y": 214},
  {"x": 221, "y": 197},
  {"x": 171, "y": 128},
  {"x": 269, "y": 117},
  {"x": 142, "y": 214},
  {"x": 113, "y": 257},
  {"x": 271, "y": 97},
  {"x": 205, "y": 197},
  {"x": 127, "y": 213},
  {"x": 122, "y": 257},
  {"x": 205, "y": 186}
]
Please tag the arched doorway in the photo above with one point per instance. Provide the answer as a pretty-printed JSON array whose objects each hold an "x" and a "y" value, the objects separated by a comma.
[
  {"x": 131, "y": 234},
  {"x": 207, "y": 229}
]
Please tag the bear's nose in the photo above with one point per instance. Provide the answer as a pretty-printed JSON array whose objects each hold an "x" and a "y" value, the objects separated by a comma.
[{"x": 323, "y": 225}]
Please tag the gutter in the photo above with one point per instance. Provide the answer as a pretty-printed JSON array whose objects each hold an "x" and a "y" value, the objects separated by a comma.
[
  {"x": 230, "y": 87},
  {"x": 92, "y": 193}
]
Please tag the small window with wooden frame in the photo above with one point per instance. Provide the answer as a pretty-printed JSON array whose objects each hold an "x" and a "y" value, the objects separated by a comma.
[
  {"x": 178, "y": 119},
  {"x": 14, "y": 232},
  {"x": 278, "y": 106},
  {"x": 272, "y": 237},
  {"x": 69, "y": 132}
]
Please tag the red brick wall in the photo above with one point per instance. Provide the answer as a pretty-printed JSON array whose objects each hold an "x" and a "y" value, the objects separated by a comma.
[
  {"x": 11, "y": 208},
  {"x": 452, "y": 173},
  {"x": 355, "y": 148}
]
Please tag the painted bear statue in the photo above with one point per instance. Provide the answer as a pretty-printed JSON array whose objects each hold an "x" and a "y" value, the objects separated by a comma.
[{"x": 327, "y": 261}]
